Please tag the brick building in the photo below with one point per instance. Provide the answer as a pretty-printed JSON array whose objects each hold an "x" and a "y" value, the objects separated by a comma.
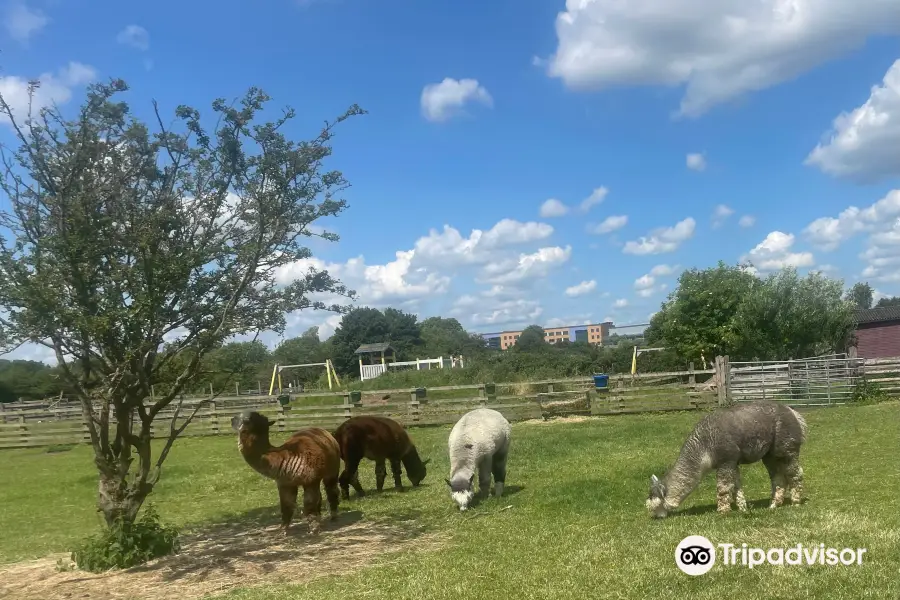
[
  {"x": 595, "y": 333},
  {"x": 878, "y": 332}
]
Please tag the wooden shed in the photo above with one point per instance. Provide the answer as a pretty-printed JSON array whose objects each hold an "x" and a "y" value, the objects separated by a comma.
[
  {"x": 374, "y": 359},
  {"x": 878, "y": 332}
]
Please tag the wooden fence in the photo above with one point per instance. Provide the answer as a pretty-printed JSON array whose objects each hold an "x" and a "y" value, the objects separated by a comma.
[{"x": 25, "y": 425}]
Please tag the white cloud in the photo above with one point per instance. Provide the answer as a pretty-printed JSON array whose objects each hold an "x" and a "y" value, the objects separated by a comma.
[
  {"x": 828, "y": 233},
  {"x": 585, "y": 287},
  {"x": 882, "y": 254},
  {"x": 22, "y": 22},
  {"x": 53, "y": 89},
  {"x": 441, "y": 101},
  {"x": 662, "y": 270},
  {"x": 862, "y": 144},
  {"x": 662, "y": 240},
  {"x": 527, "y": 266},
  {"x": 747, "y": 221},
  {"x": 449, "y": 247},
  {"x": 695, "y": 162},
  {"x": 646, "y": 285},
  {"x": 774, "y": 253},
  {"x": 621, "y": 303},
  {"x": 497, "y": 314},
  {"x": 376, "y": 285},
  {"x": 721, "y": 214},
  {"x": 596, "y": 197},
  {"x": 609, "y": 225},
  {"x": 719, "y": 50},
  {"x": 134, "y": 36},
  {"x": 553, "y": 208}
]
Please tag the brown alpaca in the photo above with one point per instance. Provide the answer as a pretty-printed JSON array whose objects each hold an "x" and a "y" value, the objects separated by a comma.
[
  {"x": 379, "y": 439},
  {"x": 308, "y": 458}
]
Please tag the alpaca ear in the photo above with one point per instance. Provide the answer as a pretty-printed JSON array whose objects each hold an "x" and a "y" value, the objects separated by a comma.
[
  {"x": 270, "y": 421},
  {"x": 472, "y": 479},
  {"x": 448, "y": 482},
  {"x": 654, "y": 480},
  {"x": 426, "y": 461}
]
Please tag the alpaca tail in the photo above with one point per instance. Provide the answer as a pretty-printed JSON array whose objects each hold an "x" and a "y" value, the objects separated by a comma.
[{"x": 804, "y": 428}]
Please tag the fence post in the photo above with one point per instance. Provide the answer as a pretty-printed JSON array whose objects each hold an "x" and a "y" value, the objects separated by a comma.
[
  {"x": 282, "y": 418},
  {"x": 85, "y": 433},
  {"x": 23, "y": 430},
  {"x": 414, "y": 406},
  {"x": 214, "y": 418},
  {"x": 720, "y": 380},
  {"x": 542, "y": 399},
  {"x": 481, "y": 399},
  {"x": 347, "y": 406},
  {"x": 726, "y": 367},
  {"x": 692, "y": 379},
  {"x": 549, "y": 388},
  {"x": 237, "y": 388},
  {"x": 490, "y": 390}
]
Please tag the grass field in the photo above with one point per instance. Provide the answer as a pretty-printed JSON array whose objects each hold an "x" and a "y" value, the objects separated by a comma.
[{"x": 572, "y": 526}]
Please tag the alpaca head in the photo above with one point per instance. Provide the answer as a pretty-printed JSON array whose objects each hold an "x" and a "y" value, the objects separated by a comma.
[
  {"x": 656, "y": 500},
  {"x": 416, "y": 471},
  {"x": 252, "y": 423},
  {"x": 462, "y": 491}
]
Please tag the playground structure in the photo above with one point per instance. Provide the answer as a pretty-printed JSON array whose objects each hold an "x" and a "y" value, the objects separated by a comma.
[
  {"x": 376, "y": 359},
  {"x": 329, "y": 371}
]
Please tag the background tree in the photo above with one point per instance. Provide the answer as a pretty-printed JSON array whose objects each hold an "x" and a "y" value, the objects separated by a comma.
[
  {"x": 405, "y": 336},
  {"x": 359, "y": 326},
  {"x": 447, "y": 337},
  {"x": 121, "y": 238},
  {"x": 885, "y": 302},
  {"x": 789, "y": 316},
  {"x": 698, "y": 318},
  {"x": 861, "y": 295},
  {"x": 532, "y": 339}
]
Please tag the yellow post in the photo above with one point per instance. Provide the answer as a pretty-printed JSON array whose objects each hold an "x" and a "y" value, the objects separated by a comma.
[
  {"x": 280, "y": 387},
  {"x": 360, "y": 367},
  {"x": 328, "y": 371},
  {"x": 382, "y": 358},
  {"x": 272, "y": 384},
  {"x": 333, "y": 371},
  {"x": 634, "y": 362}
]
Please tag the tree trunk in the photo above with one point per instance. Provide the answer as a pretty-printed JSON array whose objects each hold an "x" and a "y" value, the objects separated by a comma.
[{"x": 117, "y": 500}]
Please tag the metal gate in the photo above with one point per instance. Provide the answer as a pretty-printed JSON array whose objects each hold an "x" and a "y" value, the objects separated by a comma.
[{"x": 809, "y": 381}]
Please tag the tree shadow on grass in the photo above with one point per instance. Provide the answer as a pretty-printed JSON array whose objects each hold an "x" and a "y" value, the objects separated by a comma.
[{"x": 245, "y": 550}]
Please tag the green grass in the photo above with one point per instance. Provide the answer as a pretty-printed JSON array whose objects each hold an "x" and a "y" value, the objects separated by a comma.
[{"x": 577, "y": 526}]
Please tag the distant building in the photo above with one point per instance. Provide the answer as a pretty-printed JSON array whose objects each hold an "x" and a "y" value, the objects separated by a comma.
[
  {"x": 596, "y": 333},
  {"x": 878, "y": 332}
]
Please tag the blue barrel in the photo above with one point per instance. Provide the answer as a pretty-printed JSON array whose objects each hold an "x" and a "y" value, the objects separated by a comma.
[{"x": 601, "y": 381}]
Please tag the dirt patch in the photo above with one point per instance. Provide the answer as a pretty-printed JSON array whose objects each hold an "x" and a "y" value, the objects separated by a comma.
[
  {"x": 556, "y": 420},
  {"x": 218, "y": 559}
]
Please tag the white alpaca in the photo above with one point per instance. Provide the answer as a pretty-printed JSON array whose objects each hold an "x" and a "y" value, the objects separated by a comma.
[{"x": 480, "y": 439}]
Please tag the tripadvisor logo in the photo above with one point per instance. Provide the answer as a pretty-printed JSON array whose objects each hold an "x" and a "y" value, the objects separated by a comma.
[{"x": 696, "y": 555}]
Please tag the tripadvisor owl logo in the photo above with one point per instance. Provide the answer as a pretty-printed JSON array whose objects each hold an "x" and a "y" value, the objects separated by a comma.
[{"x": 695, "y": 555}]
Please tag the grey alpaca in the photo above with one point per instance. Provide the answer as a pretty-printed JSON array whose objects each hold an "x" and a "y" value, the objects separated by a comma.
[{"x": 729, "y": 437}]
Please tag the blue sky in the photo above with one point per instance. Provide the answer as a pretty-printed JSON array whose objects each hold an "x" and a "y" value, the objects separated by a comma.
[{"x": 699, "y": 131}]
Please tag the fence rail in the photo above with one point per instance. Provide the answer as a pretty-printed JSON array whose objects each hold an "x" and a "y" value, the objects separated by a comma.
[{"x": 828, "y": 381}]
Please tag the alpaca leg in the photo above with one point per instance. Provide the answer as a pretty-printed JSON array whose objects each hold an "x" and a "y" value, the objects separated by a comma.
[
  {"x": 333, "y": 494},
  {"x": 794, "y": 478},
  {"x": 725, "y": 484},
  {"x": 287, "y": 498},
  {"x": 397, "y": 472},
  {"x": 312, "y": 506},
  {"x": 380, "y": 474},
  {"x": 498, "y": 469},
  {"x": 350, "y": 475},
  {"x": 739, "y": 498},
  {"x": 776, "y": 475},
  {"x": 484, "y": 477}
]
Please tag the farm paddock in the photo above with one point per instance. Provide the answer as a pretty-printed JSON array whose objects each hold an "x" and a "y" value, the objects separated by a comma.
[{"x": 571, "y": 523}]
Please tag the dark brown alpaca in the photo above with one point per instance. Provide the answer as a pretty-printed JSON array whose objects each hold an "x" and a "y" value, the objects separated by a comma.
[
  {"x": 308, "y": 458},
  {"x": 379, "y": 439}
]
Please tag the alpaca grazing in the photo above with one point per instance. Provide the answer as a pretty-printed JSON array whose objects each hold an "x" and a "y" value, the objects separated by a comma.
[
  {"x": 310, "y": 457},
  {"x": 729, "y": 437},
  {"x": 480, "y": 439},
  {"x": 380, "y": 439}
]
